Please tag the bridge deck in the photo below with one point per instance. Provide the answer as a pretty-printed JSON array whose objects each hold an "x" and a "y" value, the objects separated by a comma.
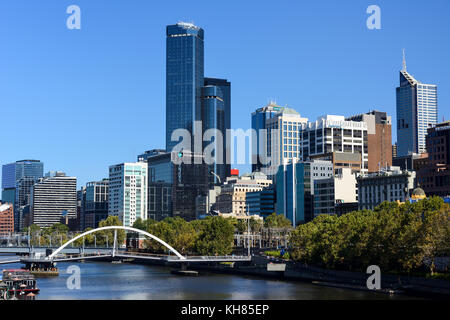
[
  {"x": 95, "y": 254},
  {"x": 9, "y": 261}
]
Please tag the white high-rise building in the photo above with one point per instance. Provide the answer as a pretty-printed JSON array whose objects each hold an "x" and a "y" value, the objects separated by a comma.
[
  {"x": 53, "y": 197},
  {"x": 283, "y": 132},
  {"x": 333, "y": 138},
  {"x": 128, "y": 192}
]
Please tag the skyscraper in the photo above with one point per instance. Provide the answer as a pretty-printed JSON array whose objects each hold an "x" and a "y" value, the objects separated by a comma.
[
  {"x": 17, "y": 180},
  {"x": 259, "y": 122},
  {"x": 218, "y": 118},
  {"x": 184, "y": 78},
  {"x": 192, "y": 99},
  {"x": 214, "y": 118},
  {"x": 53, "y": 197},
  {"x": 161, "y": 176},
  {"x": 333, "y": 138},
  {"x": 416, "y": 111},
  {"x": 127, "y": 197},
  {"x": 283, "y": 135},
  {"x": 9, "y": 183}
]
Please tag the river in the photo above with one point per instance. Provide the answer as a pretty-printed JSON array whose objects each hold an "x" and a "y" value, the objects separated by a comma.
[{"x": 104, "y": 280}]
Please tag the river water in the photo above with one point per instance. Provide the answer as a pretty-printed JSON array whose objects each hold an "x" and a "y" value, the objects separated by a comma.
[{"x": 104, "y": 280}]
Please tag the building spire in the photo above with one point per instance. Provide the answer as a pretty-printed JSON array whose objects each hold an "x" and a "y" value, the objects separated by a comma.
[{"x": 404, "y": 61}]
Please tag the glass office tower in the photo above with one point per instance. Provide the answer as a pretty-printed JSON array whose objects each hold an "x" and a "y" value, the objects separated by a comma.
[
  {"x": 9, "y": 183},
  {"x": 259, "y": 119},
  {"x": 293, "y": 188},
  {"x": 17, "y": 180},
  {"x": 9, "y": 176},
  {"x": 184, "y": 78},
  {"x": 416, "y": 111},
  {"x": 225, "y": 87},
  {"x": 96, "y": 203},
  {"x": 214, "y": 118}
]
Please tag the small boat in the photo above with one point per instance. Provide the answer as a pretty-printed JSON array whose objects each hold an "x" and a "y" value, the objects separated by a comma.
[{"x": 19, "y": 282}]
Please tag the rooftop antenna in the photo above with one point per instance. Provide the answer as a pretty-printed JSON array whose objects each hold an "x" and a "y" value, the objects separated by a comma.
[{"x": 404, "y": 61}]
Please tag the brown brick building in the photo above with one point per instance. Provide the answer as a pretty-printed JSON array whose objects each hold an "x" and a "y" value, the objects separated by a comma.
[
  {"x": 434, "y": 176},
  {"x": 6, "y": 219},
  {"x": 379, "y": 138}
]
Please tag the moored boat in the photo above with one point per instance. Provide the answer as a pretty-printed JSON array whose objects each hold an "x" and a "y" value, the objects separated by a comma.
[{"x": 19, "y": 282}]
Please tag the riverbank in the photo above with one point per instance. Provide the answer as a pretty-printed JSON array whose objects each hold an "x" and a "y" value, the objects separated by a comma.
[{"x": 390, "y": 284}]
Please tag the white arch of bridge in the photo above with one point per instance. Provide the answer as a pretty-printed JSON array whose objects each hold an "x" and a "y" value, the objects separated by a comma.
[{"x": 117, "y": 228}]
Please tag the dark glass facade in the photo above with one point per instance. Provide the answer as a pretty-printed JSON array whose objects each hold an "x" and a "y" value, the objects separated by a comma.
[
  {"x": 406, "y": 116},
  {"x": 9, "y": 176},
  {"x": 293, "y": 189},
  {"x": 214, "y": 118},
  {"x": 259, "y": 120},
  {"x": 261, "y": 202},
  {"x": 223, "y": 122},
  {"x": 96, "y": 203},
  {"x": 17, "y": 181},
  {"x": 184, "y": 78},
  {"x": 160, "y": 183}
]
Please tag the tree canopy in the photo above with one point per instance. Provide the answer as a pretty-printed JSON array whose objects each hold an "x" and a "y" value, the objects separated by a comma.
[
  {"x": 394, "y": 237},
  {"x": 277, "y": 221}
]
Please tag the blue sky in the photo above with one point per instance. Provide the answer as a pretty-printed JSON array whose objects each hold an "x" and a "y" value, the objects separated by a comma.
[{"x": 81, "y": 100}]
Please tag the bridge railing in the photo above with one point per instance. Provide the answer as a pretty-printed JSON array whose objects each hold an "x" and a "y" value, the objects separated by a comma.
[
  {"x": 131, "y": 253},
  {"x": 214, "y": 258}
]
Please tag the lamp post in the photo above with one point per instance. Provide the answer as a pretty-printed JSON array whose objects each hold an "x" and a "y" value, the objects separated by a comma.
[{"x": 248, "y": 232}]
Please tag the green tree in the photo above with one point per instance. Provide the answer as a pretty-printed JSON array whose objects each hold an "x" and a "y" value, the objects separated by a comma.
[
  {"x": 395, "y": 237},
  {"x": 178, "y": 233},
  {"x": 256, "y": 225},
  {"x": 143, "y": 224},
  {"x": 102, "y": 236},
  {"x": 241, "y": 226},
  {"x": 87, "y": 239},
  {"x": 216, "y": 237},
  {"x": 277, "y": 221}
]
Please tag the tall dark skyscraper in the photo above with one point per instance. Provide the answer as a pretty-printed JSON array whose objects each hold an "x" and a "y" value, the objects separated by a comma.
[
  {"x": 191, "y": 97},
  {"x": 416, "y": 111},
  {"x": 184, "y": 78},
  {"x": 225, "y": 86},
  {"x": 217, "y": 115}
]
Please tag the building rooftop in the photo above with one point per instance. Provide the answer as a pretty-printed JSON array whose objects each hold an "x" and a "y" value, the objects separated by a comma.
[
  {"x": 288, "y": 111},
  {"x": 409, "y": 77},
  {"x": 187, "y": 25},
  {"x": 4, "y": 207}
]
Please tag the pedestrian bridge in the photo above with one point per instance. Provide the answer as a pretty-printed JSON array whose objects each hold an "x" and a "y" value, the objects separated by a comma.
[{"x": 76, "y": 254}]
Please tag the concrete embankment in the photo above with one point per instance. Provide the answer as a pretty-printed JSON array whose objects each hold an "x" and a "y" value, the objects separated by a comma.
[
  {"x": 263, "y": 267},
  {"x": 391, "y": 284}
]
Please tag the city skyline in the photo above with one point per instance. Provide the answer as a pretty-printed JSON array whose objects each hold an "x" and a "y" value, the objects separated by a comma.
[{"x": 79, "y": 97}]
